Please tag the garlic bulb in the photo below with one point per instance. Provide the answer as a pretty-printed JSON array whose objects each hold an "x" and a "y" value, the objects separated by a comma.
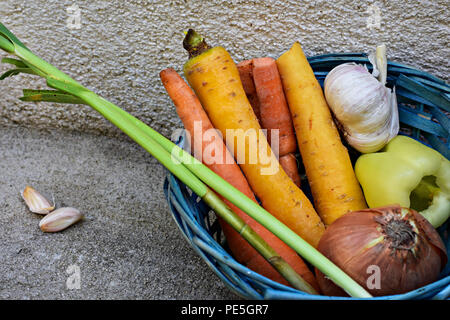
[{"x": 364, "y": 107}]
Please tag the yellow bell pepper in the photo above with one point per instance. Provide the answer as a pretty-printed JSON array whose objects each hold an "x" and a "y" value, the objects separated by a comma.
[{"x": 407, "y": 173}]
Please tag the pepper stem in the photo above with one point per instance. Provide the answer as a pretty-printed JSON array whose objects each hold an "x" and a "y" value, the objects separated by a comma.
[{"x": 194, "y": 43}]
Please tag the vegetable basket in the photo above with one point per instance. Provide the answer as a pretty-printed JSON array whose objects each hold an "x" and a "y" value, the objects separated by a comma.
[{"x": 424, "y": 108}]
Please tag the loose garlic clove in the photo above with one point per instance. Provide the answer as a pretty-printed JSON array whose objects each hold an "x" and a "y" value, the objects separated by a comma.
[
  {"x": 60, "y": 219},
  {"x": 36, "y": 202}
]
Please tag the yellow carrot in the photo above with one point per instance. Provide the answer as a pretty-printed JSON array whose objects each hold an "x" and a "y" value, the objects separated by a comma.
[
  {"x": 327, "y": 163},
  {"x": 191, "y": 112},
  {"x": 214, "y": 77}
]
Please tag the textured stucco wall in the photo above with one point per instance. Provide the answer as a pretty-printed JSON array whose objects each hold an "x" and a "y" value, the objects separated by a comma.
[{"x": 122, "y": 45}]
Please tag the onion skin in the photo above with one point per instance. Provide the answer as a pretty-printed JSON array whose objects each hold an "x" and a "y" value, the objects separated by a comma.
[{"x": 407, "y": 249}]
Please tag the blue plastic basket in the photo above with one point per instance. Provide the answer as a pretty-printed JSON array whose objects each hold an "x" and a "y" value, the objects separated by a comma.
[{"x": 424, "y": 108}]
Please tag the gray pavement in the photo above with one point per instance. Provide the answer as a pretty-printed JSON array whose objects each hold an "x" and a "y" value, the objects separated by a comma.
[{"x": 127, "y": 247}]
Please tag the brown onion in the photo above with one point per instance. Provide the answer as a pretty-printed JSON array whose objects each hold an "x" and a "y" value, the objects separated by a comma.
[{"x": 389, "y": 250}]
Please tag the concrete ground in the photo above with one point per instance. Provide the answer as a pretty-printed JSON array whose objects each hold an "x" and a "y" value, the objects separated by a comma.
[{"x": 128, "y": 246}]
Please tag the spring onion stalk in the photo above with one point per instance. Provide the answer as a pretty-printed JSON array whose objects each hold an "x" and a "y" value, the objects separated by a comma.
[
  {"x": 110, "y": 112},
  {"x": 191, "y": 172},
  {"x": 49, "y": 96},
  {"x": 70, "y": 92}
]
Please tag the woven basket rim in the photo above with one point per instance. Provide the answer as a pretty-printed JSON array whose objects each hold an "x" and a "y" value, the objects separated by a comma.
[{"x": 274, "y": 288}]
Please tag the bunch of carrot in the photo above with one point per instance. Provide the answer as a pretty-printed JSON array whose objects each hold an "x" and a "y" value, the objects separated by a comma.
[
  {"x": 264, "y": 93},
  {"x": 191, "y": 113}
]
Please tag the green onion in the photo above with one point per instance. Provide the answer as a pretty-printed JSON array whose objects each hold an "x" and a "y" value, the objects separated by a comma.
[{"x": 189, "y": 170}]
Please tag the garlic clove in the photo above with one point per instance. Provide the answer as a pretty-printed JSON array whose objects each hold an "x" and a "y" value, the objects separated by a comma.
[
  {"x": 378, "y": 60},
  {"x": 372, "y": 60},
  {"x": 60, "y": 219},
  {"x": 395, "y": 120},
  {"x": 36, "y": 202},
  {"x": 381, "y": 61}
]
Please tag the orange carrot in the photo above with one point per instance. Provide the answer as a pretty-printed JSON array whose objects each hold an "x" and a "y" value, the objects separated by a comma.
[
  {"x": 289, "y": 164},
  {"x": 274, "y": 111},
  {"x": 191, "y": 114},
  {"x": 245, "y": 69}
]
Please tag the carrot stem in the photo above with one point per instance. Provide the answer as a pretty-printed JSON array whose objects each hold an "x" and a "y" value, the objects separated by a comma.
[{"x": 194, "y": 43}]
